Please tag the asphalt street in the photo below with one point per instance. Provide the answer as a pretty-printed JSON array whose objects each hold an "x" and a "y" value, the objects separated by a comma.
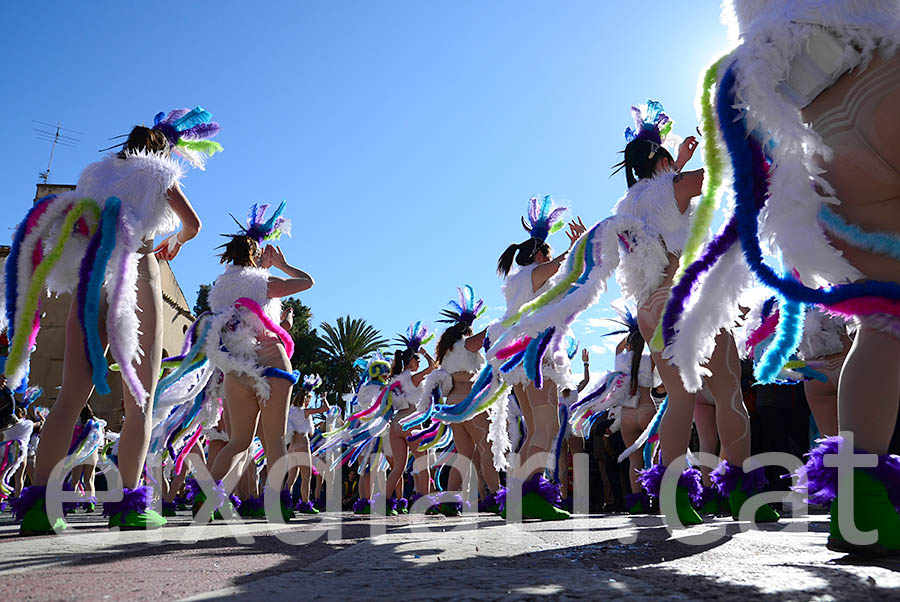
[{"x": 475, "y": 557}]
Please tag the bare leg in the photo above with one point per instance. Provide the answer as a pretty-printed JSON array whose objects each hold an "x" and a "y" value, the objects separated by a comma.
[
  {"x": 465, "y": 447},
  {"x": 274, "y": 412},
  {"x": 243, "y": 410},
  {"x": 705, "y": 419},
  {"x": 478, "y": 429},
  {"x": 399, "y": 451},
  {"x": 56, "y": 434},
  {"x": 545, "y": 419},
  {"x": 732, "y": 419},
  {"x": 135, "y": 437},
  {"x": 822, "y": 398},
  {"x": 634, "y": 421}
]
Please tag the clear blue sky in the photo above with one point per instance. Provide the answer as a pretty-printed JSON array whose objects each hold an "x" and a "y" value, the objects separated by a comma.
[{"x": 406, "y": 137}]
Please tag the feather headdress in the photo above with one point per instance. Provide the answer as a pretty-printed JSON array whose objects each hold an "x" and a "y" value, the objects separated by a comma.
[
  {"x": 261, "y": 229},
  {"x": 311, "y": 382},
  {"x": 466, "y": 310},
  {"x": 31, "y": 395},
  {"x": 626, "y": 319},
  {"x": 543, "y": 218},
  {"x": 188, "y": 132},
  {"x": 416, "y": 336},
  {"x": 651, "y": 124}
]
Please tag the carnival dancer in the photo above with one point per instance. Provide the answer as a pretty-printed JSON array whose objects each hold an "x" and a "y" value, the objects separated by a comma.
[
  {"x": 659, "y": 196},
  {"x": 101, "y": 236},
  {"x": 250, "y": 347},
  {"x": 806, "y": 109},
  {"x": 459, "y": 357},
  {"x": 84, "y": 454},
  {"x": 406, "y": 395},
  {"x": 538, "y": 400},
  {"x": 568, "y": 443},
  {"x": 299, "y": 429}
]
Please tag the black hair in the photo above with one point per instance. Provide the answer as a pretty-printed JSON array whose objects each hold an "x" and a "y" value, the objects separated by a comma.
[
  {"x": 641, "y": 160},
  {"x": 142, "y": 138},
  {"x": 524, "y": 254},
  {"x": 450, "y": 337},
  {"x": 240, "y": 250},
  {"x": 636, "y": 342},
  {"x": 86, "y": 414},
  {"x": 402, "y": 359}
]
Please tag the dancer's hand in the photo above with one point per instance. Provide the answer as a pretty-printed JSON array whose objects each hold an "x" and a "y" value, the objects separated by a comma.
[
  {"x": 686, "y": 151},
  {"x": 576, "y": 229},
  {"x": 168, "y": 248},
  {"x": 585, "y": 356},
  {"x": 276, "y": 256}
]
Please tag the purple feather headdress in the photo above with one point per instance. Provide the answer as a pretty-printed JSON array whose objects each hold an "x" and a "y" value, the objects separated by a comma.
[
  {"x": 466, "y": 310},
  {"x": 261, "y": 229},
  {"x": 311, "y": 382},
  {"x": 651, "y": 124},
  {"x": 416, "y": 336},
  {"x": 188, "y": 132},
  {"x": 543, "y": 218}
]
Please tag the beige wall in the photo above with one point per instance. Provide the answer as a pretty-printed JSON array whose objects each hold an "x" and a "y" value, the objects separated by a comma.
[{"x": 46, "y": 362}]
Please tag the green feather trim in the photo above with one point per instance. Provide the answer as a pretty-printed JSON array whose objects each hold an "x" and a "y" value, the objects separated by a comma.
[
  {"x": 23, "y": 330},
  {"x": 712, "y": 184}
]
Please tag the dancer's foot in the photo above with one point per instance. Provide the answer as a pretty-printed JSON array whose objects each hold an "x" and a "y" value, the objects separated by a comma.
[
  {"x": 133, "y": 512},
  {"x": 872, "y": 510},
  {"x": 637, "y": 503},
  {"x": 738, "y": 486},
  {"x": 31, "y": 508},
  {"x": 687, "y": 492}
]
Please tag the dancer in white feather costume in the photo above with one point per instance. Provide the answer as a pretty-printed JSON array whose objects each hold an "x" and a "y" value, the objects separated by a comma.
[{"x": 99, "y": 239}]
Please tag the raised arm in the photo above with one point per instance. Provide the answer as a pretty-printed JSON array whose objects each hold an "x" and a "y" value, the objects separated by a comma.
[
  {"x": 586, "y": 359},
  {"x": 190, "y": 225},
  {"x": 283, "y": 287},
  {"x": 542, "y": 273},
  {"x": 418, "y": 377},
  {"x": 476, "y": 341}
]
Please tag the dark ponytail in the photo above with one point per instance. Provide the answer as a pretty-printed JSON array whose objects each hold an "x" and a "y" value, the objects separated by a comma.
[
  {"x": 636, "y": 342},
  {"x": 450, "y": 337},
  {"x": 524, "y": 254},
  {"x": 402, "y": 358},
  {"x": 638, "y": 163}
]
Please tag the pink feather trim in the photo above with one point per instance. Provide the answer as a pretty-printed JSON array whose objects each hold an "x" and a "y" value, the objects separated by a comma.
[
  {"x": 864, "y": 306},
  {"x": 514, "y": 348},
  {"x": 254, "y": 307},
  {"x": 765, "y": 330},
  {"x": 179, "y": 462}
]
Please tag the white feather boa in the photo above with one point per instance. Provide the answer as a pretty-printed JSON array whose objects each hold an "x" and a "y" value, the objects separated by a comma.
[
  {"x": 122, "y": 323},
  {"x": 498, "y": 433},
  {"x": 714, "y": 307},
  {"x": 438, "y": 378},
  {"x": 822, "y": 334}
]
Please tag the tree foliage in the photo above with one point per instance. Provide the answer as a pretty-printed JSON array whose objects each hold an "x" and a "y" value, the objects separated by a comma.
[
  {"x": 348, "y": 340},
  {"x": 202, "y": 303}
]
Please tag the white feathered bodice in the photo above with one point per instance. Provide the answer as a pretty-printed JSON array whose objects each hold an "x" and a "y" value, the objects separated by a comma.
[
  {"x": 460, "y": 359},
  {"x": 298, "y": 422},
  {"x": 652, "y": 201},
  {"x": 237, "y": 282},
  {"x": 407, "y": 395},
  {"x": 646, "y": 374},
  {"x": 519, "y": 289},
  {"x": 20, "y": 431},
  {"x": 141, "y": 182},
  {"x": 664, "y": 229}
]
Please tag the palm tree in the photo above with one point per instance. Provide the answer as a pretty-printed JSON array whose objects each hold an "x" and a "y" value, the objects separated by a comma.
[{"x": 343, "y": 344}]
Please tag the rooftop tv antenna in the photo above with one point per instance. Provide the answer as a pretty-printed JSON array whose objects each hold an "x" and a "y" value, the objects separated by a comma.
[{"x": 54, "y": 137}]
